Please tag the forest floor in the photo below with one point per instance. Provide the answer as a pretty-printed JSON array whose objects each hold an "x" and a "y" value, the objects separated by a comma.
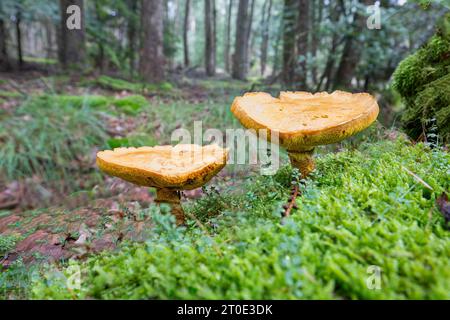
[
  {"x": 48, "y": 223},
  {"x": 55, "y": 205}
]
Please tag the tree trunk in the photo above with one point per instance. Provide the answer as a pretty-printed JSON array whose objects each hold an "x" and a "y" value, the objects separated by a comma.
[
  {"x": 100, "y": 62},
  {"x": 5, "y": 64},
  {"x": 249, "y": 33},
  {"x": 131, "y": 34},
  {"x": 241, "y": 45},
  {"x": 302, "y": 43},
  {"x": 210, "y": 50},
  {"x": 228, "y": 37},
  {"x": 328, "y": 70},
  {"x": 265, "y": 35},
  {"x": 49, "y": 38},
  {"x": 289, "y": 42},
  {"x": 151, "y": 62},
  {"x": 316, "y": 14},
  {"x": 72, "y": 43},
  {"x": 19, "y": 37},
  {"x": 185, "y": 33},
  {"x": 351, "y": 53}
]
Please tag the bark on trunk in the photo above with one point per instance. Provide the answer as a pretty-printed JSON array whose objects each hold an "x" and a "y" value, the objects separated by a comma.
[
  {"x": 228, "y": 37},
  {"x": 289, "y": 42},
  {"x": 302, "y": 43},
  {"x": 241, "y": 45},
  {"x": 72, "y": 42},
  {"x": 185, "y": 33},
  {"x": 210, "y": 46},
  {"x": 151, "y": 62}
]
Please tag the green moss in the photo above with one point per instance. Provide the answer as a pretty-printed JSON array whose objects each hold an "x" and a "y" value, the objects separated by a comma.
[
  {"x": 117, "y": 84},
  {"x": 92, "y": 101},
  {"x": 40, "y": 60},
  {"x": 165, "y": 86},
  {"x": 361, "y": 209},
  {"x": 124, "y": 85},
  {"x": 131, "y": 104},
  {"x": 9, "y": 94},
  {"x": 423, "y": 81},
  {"x": 132, "y": 141}
]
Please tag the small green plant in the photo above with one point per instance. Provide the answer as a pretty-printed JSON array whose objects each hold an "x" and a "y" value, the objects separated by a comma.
[{"x": 7, "y": 243}]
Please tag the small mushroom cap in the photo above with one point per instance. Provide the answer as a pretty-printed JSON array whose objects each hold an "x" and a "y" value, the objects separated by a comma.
[
  {"x": 180, "y": 167},
  {"x": 304, "y": 120}
]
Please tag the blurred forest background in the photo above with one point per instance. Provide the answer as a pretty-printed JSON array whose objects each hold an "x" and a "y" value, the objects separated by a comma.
[{"x": 308, "y": 45}]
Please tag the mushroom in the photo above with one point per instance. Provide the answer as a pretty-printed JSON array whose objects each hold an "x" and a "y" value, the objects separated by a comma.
[
  {"x": 169, "y": 169},
  {"x": 304, "y": 120}
]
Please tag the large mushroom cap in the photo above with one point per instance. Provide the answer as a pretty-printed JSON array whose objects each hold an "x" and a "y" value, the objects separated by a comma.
[
  {"x": 304, "y": 120},
  {"x": 181, "y": 167}
]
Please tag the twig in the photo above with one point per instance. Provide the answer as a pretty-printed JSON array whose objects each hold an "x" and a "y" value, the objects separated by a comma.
[
  {"x": 417, "y": 178},
  {"x": 291, "y": 204}
]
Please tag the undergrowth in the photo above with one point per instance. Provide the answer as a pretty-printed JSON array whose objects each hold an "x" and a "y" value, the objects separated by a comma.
[
  {"x": 45, "y": 136},
  {"x": 423, "y": 81},
  {"x": 362, "y": 208}
]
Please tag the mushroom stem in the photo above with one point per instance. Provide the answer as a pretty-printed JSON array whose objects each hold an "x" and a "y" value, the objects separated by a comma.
[
  {"x": 303, "y": 161},
  {"x": 171, "y": 197}
]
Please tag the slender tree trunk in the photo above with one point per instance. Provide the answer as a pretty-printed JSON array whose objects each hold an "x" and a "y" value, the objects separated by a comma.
[
  {"x": 329, "y": 66},
  {"x": 168, "y": 28},
  {"x": 302, "y": 42},
  {"x": 351, "y": 53},
  {"x": 214, "y": 33},
  {"x": 131, "y": 34},
  {"x": 72, "y": 42},
  {"x": 19, "y": 37},
  {"x": 249, "y": 34},
  {"x": 241, "y": 45},
  {"x": 100, "y": 59},
  {"x": 289, "y": 52},
  {"x": 265, "y": 35},
  {"x": 210, "y": 55},
  {"x": 185, "y": 33},
  {"x": 151, "y": 62},
  {"x": 48, "y": 36},
  {"x": 5, "y": 64},
  {"x": 316, "y": 14},
  {"x": 228, "y": 37}
]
